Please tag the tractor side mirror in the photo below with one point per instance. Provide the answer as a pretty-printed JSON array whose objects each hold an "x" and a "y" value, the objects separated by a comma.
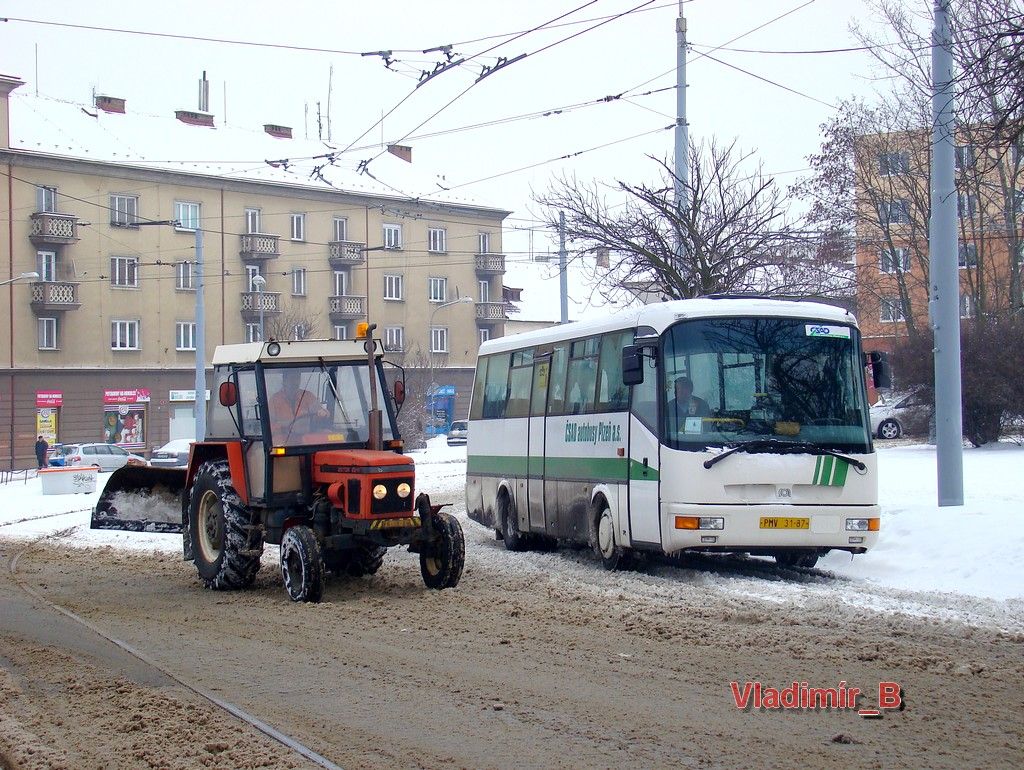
[
  {"x": 399, "y": 392},
  {"x": 228, "y": 394}
]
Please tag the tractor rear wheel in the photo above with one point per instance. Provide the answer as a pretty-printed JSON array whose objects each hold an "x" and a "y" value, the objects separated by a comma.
[
  {"x": 302, "y": 565},
  {"x": 226, "y": 542},
  {"x": 442, "y": 559}
]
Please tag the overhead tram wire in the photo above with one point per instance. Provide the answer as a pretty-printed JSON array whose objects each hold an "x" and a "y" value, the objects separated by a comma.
[{"x": 771, "y": 82}]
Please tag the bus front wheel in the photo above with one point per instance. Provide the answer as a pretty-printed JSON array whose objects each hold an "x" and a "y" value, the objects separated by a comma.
[
  {"x": 613, "y": 556},
  {"x": 514, "y": 539}
]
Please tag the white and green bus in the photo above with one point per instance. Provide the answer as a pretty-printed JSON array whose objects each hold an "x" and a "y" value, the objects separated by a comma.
[{"x": 732, "y": 425}]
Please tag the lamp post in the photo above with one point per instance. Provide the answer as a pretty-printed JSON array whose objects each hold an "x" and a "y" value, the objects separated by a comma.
[
  {"x": 259, "y": 282},
  {"x": 24, "y": 276},
  {"x": 430, "y": 347}
]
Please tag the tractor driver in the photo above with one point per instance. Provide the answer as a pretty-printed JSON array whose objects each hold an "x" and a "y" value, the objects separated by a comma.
[{"x": 293, "y": 408}]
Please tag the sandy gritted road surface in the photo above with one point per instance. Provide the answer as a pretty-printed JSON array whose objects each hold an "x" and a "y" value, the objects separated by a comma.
[{"x": 535, "y": 660}]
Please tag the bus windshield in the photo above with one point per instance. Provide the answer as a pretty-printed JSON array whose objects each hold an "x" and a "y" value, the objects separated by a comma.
[{"x": 729, "y": 380}]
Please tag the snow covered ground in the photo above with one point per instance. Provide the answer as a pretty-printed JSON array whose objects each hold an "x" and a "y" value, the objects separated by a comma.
[{"x": 976, "y": 550}]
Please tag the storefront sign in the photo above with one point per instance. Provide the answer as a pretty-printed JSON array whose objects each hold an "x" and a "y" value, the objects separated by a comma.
[
  {"x": 185, "y": 395},
  {"x": 137, "y": 396},
  {"x": 49, "y": 398}
]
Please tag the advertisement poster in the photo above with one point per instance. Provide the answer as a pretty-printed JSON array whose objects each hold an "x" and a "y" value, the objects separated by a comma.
[
  {"x": 124, "y": 417},
  {"x": 48, "y": 403}
]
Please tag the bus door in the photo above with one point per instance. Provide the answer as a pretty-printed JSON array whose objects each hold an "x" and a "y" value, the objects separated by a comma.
[
  {"x": 644, "y": 462},
  {"x": 537, "y": 445}
]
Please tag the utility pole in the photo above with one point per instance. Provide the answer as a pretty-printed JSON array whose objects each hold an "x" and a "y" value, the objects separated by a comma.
[
  {"x": 944, "y": 304},
  {"x": 682, "y": 169},
  {"x": 563, "y": 276},
  {"x": 200, "y": 341}
]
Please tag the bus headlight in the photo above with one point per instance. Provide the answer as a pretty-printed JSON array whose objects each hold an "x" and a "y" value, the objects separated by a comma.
[
  {"x": 404, "y": 490},
  {"x": 380, "y": 491},
  {"x": 862, "y": 525}
]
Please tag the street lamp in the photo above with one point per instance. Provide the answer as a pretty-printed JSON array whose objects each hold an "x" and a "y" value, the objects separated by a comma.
[
  {"x": 259, "y": 282},
  {"x": 24, "y": 276},
  {"x": 430, "y": 346}
]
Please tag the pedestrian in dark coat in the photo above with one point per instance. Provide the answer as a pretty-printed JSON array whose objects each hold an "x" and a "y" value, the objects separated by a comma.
[{"x": 41, "y": 449}]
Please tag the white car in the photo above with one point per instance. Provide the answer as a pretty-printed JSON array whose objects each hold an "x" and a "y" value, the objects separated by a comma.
[
  {"x": 106, "y": 457},
  {"x": 173, "y": 454},
  {"x": 894, "y": 415},
  {"x": 458, "y": 432}
]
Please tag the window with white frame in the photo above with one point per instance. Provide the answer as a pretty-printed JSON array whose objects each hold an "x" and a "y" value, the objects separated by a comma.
[
  {"x": 124, "y": 272},
  {"x": 967, "y": 204},
  {"x": 252, "y": 333},
  {"x": 967, "y": 255},
  {"x": 187, "y": 215},
  {"x": 392, "y": 287},
  {"x": 124, "y": 210},
  {"x": 341, "y": 228},
  {"x": 340, "y": 283},
  {"x": 485, "y": 334},
  {"x": 890, "y": 309},
  {"x": 394, "y": 338},
  {"x": 892, "y": 163},
  {"x": 46, "y": 200},
  {"x": 300, "y": 331},
  {"x": 894, "y": 260},
  {"x": 47, "y": 333},
  {"x": 124, "y": 335},
  {"x": 438, "y": 339},
  {"x": 183, "y": 276},
  {"x": 964, "y": 156},
  {"x": 299, "y": 282},
  {"x": 392, "y": 236},
  {"x": 438, "y": 289},
  {"x": 437, "y": 239},
  {"x": 46, "y": 265},
  {"x": 965, "y": 306},
  {"x": 185, "y": 335},
  {"x": 340, "y": 332},
  {"x": 252, "y": 221},
  {"x": 483, "y": 245},
  {"x": 251, "y": 271},
  {"x": 298, "y": 227},
  {"x": 485, "y": 291},
  {"x": 893, "y": 213}
]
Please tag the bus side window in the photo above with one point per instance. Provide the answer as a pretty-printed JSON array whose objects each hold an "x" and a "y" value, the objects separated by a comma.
[
  {"x": 582, "y": 376},
  {"x": 612, "y": 395},
  {"x": 556, "y": 381},
  {"x": 496, "y": 386},
  {"x": 476, "y": 407}
]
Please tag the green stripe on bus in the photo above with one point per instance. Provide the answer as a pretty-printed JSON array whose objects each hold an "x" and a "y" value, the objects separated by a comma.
[
  {"x": 826, "y": 470},
  {"x": 839, "y": 477},
  {"x": 601, "y": 468},
  {"x": 830, "y": 471}
]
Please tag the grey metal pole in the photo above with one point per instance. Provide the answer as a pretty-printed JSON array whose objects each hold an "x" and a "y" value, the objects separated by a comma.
[
  {"x": 944, "y": 277},
  {"x": 563, "y": 276},
  {"x": 259, "y": 289},
  {"x": 682, "y": 144},
  {"x": 200, "y": 342}
]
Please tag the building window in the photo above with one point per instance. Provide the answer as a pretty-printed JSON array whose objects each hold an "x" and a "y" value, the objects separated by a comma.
[
  {"x": 392, "y": 236},
  {"x": 394, "y": 339},
  {"x": 340, "y": 283},
  {"x": 124, "y": 335},
  {"x": 392, "y": 287},
  {"x": 251, "y": 271},
  {"x": 124, "y": 210},
  {"x": 341, "y": 332},
  {"x": 124, "y": 272},
  {"x": 252, "y": 333},
  {"x": 485, "y": 291},
  {"x": 46, "y": 265},
  {"x": 47, "y": 333},
  {"x": 300, "y": 331},
  {"x": 965, "y": 305},
  {"x": 964, "y": 156},
  {"x": 252, "y": 221},
  {"x": 485, "y": 334},
  {"x": 438, "y": 339},
  {"x": 183, "y": 276},
  {"x": 185, "y": 335},
  {"x": 894, "y": 260},
  {"x": 187, "y": 214},
  {"x": 893, "y": 213},
  {"x": 340, "y": 228},
  {"x": 438, "y": 289},
  {"x": 892, "y": 163},
  {"x": 437, "y": 240},
  {"x": 46, "y": 200},
  {"x": 967, "y": 204},
  {"x": 483, "y": 243},
  {"x": 298, "y": 227},
  {"x": 299, "y": 282},
  {"x": 890, "y": 309},
  {"x": 967, "y": 255}
]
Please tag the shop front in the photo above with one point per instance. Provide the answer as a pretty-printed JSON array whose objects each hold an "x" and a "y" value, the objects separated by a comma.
[{"x": 125, "y": 417}]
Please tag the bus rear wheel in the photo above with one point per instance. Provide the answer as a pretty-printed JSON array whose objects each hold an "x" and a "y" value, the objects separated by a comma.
[
  {"x": 510, "y": 534},
  {"x": 613, "y": 557}
]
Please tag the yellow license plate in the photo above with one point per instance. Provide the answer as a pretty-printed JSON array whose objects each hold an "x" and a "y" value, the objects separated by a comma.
[{"x": 784, "y": 522}]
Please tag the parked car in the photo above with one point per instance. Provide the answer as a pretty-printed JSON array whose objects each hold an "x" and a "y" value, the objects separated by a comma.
[
  {"x": 898, "y": 414},
  {"x": 106, "y": 457},
  {"x": 458, "y": 432},
  {"x": 173, "y": 454}
]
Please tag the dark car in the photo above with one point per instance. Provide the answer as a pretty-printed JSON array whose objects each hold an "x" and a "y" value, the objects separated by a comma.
[{"x": 458, "y": 432}]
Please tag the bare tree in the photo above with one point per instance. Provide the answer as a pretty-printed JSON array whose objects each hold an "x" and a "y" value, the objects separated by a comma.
[
  {"x": 731, "y": 236},
  {"x": 294, "y": 322}
]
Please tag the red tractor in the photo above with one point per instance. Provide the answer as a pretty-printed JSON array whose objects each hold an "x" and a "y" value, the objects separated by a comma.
[{"x": 297, "y": 453}]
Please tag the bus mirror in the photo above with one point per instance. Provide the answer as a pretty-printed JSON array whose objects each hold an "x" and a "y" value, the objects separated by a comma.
[
  {"x": 399, "y": 392},
  {"x": 228, "y": 394},
  {"x": 881, "y": 374},
  {"x": 632, "y": 365}
]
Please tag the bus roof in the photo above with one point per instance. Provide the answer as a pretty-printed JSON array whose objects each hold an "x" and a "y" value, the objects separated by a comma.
[
  {"x": 661, "y": 315},
  {"x": 292, "y": 351}
]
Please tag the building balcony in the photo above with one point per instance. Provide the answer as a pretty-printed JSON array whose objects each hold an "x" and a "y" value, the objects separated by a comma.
[
  {"x": 490, "y": 264},
  {"x": 49, "y": 229},
  {"x": 343, "y": 308},
  {"x": 491, "y": 312},
  {"x": 255, "y": 302},
  {"x": 54, "y": 296},
  {"x": 346, "y": 253},
  {"x": 260, "y": 246}
]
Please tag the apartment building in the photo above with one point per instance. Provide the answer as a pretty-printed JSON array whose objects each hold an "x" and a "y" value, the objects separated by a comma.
[
  {"x": 892, "y": 176},
  {"x": 106, "y": 211}
]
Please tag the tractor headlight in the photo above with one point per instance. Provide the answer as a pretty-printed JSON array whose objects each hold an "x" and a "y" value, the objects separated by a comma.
[
  {"x": 404, "y": 490},
  {"x": 380, "y": 491}
]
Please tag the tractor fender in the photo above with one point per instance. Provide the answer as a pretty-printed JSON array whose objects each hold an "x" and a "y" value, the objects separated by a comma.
[{"x": 231, "y": 451}]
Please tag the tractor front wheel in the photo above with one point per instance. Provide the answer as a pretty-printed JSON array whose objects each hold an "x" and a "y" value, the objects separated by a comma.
[
  {"x": 442, "y": 559},
  {"x": 302, "y": 565}
]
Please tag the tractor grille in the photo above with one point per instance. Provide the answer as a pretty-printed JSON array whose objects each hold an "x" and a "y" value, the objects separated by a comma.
[{"x": 391, "y": 502}]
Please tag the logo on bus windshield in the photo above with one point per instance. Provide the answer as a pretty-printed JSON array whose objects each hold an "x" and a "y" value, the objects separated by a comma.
[{"x": 823, "y": 330}]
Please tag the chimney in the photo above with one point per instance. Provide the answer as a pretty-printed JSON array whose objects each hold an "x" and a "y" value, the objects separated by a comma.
[
  {"x": 193, "y": 118},
  {"x": 7, "y": 84},
  {"x": 401, "y": 151},
  {"x": 601, "y": 253},
  {"x": 281, "y": 132},
  {"x": 109, "y": 104},
  {"x": 204, "y": 94}
]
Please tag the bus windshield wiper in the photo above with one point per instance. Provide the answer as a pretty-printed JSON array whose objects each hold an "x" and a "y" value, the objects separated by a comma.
[{"x": 774, "y": 446}]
